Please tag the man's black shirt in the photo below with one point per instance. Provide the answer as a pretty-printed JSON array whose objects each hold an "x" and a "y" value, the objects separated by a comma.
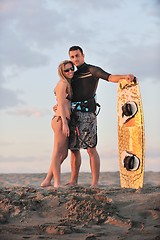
[{"x": 85, "y": 81}]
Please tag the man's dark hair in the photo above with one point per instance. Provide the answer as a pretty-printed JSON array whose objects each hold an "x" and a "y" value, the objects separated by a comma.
[{"x": 74, "y": 48}]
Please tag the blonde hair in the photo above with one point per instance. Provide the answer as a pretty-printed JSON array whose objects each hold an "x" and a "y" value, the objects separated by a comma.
[{"x": 63, "y": 78}]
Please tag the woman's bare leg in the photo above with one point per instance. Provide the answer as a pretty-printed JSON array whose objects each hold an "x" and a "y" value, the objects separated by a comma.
[
  {"x": 47, "y": 181},
  {"x": 60, "y": 152}
]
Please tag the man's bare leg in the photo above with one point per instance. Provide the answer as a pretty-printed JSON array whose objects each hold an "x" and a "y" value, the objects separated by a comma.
[
  {"x": 75, "y": 167},
  {"x": 95, "y": 165}
]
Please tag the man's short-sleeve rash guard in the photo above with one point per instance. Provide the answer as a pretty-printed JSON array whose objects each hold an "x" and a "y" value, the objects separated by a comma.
[{"x": 85, "y": 81}]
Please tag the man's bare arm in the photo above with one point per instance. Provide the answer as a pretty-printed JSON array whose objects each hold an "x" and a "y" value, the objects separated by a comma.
[{"x": 117, "y": 78}]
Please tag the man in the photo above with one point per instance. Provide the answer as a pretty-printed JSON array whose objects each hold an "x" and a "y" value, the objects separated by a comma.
[{"x": 83, "y": 128}]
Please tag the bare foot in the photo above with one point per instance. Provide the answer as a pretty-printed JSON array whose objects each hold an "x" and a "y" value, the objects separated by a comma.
[
  {"x": 57, "y": 186},
  {"x": 71, "y": 184},
  {"x": 46, "y": 183},
  {"x": 94, "y": 186}
]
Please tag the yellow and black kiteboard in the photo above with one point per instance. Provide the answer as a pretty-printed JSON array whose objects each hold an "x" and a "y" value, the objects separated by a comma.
[{"x": 130, "y": 134}]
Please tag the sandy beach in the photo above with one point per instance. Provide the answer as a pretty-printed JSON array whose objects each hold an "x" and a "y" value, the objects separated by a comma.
[{"x": 28, "y": 211}]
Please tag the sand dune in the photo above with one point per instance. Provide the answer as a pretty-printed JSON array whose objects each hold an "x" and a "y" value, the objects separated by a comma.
[{"x": 28, "y": 211}]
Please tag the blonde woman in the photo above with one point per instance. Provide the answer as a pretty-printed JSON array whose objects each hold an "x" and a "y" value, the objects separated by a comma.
[{"x": 60, "y": 123}]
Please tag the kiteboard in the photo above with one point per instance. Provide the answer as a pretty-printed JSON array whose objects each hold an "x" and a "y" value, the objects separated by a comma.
[{"x": 130, "y": 134}]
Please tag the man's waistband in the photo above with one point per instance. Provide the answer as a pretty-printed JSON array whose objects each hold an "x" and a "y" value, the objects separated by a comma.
[{"x": 85, "y": 106}]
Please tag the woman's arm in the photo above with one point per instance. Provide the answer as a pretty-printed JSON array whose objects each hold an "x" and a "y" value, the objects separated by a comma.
[{"x": 61, "y": 101}]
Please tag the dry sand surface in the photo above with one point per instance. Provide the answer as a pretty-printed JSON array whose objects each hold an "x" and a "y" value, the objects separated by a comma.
[{"x": 108, "y": 212}]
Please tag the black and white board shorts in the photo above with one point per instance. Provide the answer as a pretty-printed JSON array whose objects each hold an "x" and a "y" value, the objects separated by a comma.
[{"x": 83, "y": 130}]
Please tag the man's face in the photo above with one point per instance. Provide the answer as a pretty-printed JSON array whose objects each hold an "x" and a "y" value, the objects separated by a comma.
[{"x": 76, "y": 57}]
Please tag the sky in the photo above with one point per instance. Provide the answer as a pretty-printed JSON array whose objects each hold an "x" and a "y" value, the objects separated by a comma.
[{"x": 121, "y": 37}]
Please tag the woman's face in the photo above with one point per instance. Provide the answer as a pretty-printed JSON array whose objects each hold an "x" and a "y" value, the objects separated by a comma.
[{"x": 68, "y": 70}]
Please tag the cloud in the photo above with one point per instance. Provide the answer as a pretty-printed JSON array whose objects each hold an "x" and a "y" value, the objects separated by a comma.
[
  {"x": 90, "y": 5},
  {"x": 28, "y": 36},
  {"x": 39, "y": 164},
  {"x": 18, "y": 46},
  {"x": 145, "y": 61},
  {"x": 109, "y": 159},
  {"x": 139, "y": 59},
  {"x": 13, "y": 158},
  {"x": 9, "y": 98},
  {"x": 27, "y": 164},
  {"x": 153, "y": 8},
  {"x": 34, "y": 32},
  {"x": 29, "y": 112},
  {"x": 28, "y": 30},
  {"x": 6, "y": 143},
  {"x": 17, "y": 52},
  {"x": 36, "y": 28},
  {"x": 153, "y": 153}
]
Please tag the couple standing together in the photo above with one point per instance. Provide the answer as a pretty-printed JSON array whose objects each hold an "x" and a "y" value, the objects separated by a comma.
[{"x": 75, "y": 122}]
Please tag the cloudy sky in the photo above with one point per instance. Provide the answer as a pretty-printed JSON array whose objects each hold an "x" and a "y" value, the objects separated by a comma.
[{"x": 35, "y": 35}]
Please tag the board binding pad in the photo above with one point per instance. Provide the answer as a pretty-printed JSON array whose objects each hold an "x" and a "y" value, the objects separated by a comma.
[{"x": 130, "y": 134}]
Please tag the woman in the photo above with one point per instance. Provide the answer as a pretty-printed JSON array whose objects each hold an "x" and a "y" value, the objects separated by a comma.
[{"x": 60, "y": 122}]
